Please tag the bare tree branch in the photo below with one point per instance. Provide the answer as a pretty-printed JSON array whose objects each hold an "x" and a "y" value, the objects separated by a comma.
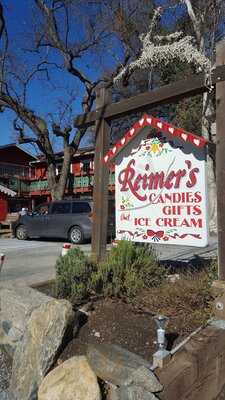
[
  {"x": 52, "y": 38},
  {"x": 2, "y": 21},
  {"x": 54, "y": 32},
  {"x": 196, "y": 23},
  {"x": 3, "y": 34}
]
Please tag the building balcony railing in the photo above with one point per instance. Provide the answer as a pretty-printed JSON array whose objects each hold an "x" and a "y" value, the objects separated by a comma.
[
  {"x": 15, "y": 184},
  {"x": 76, "y": 182},
  {"x": 26, "y": 186},
  {"x": 15, "y": 170},
  {"x": 38, "y": 185}
]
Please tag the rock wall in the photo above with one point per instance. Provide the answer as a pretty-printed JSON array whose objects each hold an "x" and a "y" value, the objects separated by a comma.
[{"x": 34, "y": 326}]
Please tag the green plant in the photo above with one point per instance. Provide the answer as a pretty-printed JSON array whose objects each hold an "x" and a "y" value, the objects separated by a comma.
[
  {"x": 150, "y": 270},
  {"x": 73, "y": 276},
  {"x": 128, "y": 268}
]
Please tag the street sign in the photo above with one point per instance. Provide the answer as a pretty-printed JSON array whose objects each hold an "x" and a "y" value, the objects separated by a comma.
[{"x": 160, "y": 184}]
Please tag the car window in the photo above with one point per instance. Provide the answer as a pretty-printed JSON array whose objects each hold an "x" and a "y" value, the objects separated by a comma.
[
  {"x": 80, "y": 208},
  {"x": 61, "y": 208},
  {"x": 42, "y": 209}
]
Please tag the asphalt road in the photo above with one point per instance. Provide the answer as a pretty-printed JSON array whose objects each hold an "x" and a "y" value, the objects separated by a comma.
[{"x": 32, "y": 262}]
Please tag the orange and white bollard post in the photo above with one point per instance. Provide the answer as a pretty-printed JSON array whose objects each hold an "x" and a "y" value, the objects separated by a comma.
[
  {"x": 66, "y": 247},
  {"x": 2, "y": 259}
]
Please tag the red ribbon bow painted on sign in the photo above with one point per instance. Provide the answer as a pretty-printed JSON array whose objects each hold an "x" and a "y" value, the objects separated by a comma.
[{"x": 156, "y": 235}]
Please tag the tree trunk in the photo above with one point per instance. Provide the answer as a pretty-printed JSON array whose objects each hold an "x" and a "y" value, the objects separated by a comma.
[
  {"x": 51, "y": 178},
  {"x": 58, "y": 186}
]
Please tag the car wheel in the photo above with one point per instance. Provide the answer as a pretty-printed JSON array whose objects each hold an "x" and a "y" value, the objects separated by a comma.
[
  {"x": 21, "y": 232},
  {"x": 76, "y": 235}
]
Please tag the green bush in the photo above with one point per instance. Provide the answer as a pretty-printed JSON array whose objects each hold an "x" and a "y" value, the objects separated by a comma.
[
  {"x": 73, "y": 276},
  {"x": 127, "y": 269}
]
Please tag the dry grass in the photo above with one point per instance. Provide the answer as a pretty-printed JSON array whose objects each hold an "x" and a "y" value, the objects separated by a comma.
[{"x": 187, "y": 302}]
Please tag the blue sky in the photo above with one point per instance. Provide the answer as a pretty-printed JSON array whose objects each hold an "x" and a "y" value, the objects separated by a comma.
[
  {"x": 14, "y": 13},
  {"x": 43, "y": 97}
]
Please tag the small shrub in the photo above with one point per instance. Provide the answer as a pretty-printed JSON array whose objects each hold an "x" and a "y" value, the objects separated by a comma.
[
  {"x": 150, "y": 270},
  {"x": 73, "y": 276},
  {"x": 127, "y": 269}
]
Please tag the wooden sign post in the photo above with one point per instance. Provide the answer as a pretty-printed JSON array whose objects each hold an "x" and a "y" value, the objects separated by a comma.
[
  {"x": 219, "y": 285},
  {"x": 101, "y": 178},
  {"x": 220, "y": 162}
]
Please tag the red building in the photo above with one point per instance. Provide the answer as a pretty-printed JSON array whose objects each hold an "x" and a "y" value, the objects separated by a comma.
[
  {"x": 24, "y": 178},
  {"x": 15, "y": 172},
  {"x": 5, "y": 194}
]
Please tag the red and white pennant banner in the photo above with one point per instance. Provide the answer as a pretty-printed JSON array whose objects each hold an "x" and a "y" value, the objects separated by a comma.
[{"x": 156, "y": 123}]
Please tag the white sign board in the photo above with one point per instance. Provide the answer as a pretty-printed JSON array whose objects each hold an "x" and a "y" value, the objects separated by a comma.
[{"x": 160, "y": 185}]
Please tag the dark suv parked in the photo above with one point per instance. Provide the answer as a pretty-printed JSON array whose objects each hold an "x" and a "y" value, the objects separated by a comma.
[{"x": 69, "y": 219}]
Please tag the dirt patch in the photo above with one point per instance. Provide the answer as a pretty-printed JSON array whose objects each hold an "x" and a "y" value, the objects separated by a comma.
[
  {"x": 187, "y": 303},
  {"x": 116, "y": 322}
]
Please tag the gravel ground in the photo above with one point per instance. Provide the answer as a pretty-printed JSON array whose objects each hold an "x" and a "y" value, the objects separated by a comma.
[{"x": 5, "y": 371}]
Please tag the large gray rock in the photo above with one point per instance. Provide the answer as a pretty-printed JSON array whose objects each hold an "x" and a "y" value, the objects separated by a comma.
[
  {"x": 134, "y": 393},
  {"x": 37, "y": 351},
  {"x": 129, "y": 393},
  {"x": 72, "y": 380},
  {"x": 16, "y": 306},
  {"x": 112, "y": 392},
  {"x": 6, "y": 395},
  {"x": 8, "y": 340},
  {"x": 145, "y": 378},
  {"x": 5, "y": 337},
  {"x": 5, "y": 371},
  {"x": 116, "y": 365}
]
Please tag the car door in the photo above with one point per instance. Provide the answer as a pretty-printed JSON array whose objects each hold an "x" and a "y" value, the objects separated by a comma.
[
  {"x": 82, "y": 217},
  {"x": 59, "y": 219},
  {"x": 38, "y": 222}
]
